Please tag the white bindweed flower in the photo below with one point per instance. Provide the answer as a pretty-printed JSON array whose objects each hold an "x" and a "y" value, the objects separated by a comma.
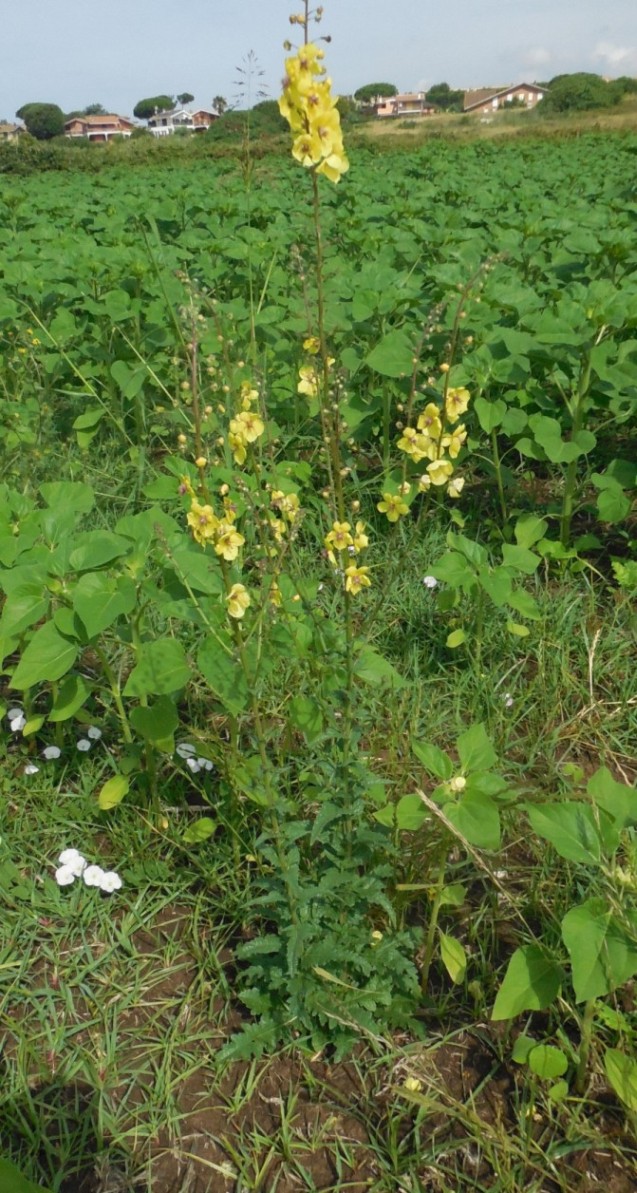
[
  {"x": 73, "y": 860},
  {"x": 64, "y": 876},
  {"x": 84, "y": 745},
  {"x": 17, "y": 721},
  {"x": 110, "y": 882},
  {"x": 93, "y": 876},
  {"x": 94, "y": 733},
  {"x": 508, "y": 700},
  {"x": 185, "y": 750},
  {"x": 194, "y": 765},
  {"x": 31, "y": 769},
  {"x": 430, "y": 581},
  {"x": 50, "y": 752},
  {"x": 205, "y": 764}
]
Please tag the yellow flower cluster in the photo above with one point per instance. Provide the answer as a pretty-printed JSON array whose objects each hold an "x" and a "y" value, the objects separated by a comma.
[
  {"x": 208, "y": 528},
  {"x": 430, "y": 440},
  {"x": 341, "y": 539},
  {"x": 310, "y": 109},
  {"x": 237, "y": 600},
  {"x": 246, "y": 428}
]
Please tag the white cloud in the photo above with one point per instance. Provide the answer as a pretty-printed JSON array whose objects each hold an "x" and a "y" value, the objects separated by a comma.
[
  {"x": 538, "y": 57},
  {"x": 613, "y": 56}
]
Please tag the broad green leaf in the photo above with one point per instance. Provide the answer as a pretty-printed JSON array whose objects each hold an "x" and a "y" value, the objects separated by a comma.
[
  {"x": 71, "y": 695},
  {"x": 571, "y": 829},
  {"x": 454, "y": 569},
  {"x": 453, "y": 957},
  {"x": 477, "y": 819},
  {"x": 453, "y": 895},
  {"x": 497, "y": 584},
  {"x": 113, "y": 792},
  {"x": 410, "y": 812},
  {"x": 475, "y": 749},
  {"x": 47, "y": 657},
  {"x": 12, "y": 1181},
  {"x": 621, "y": 1071},
  {"x": 68, "y": 495},
  {"x": 434, "y": 760},
  {"x": 200, "y": 831},
  {"x": 306, "y": 715},
  {"x": 455, "y": 639},
  {"x": 393, "y": 355},
  {"x": 547, "y": 1062},
  {"x": 99, "y": 600},
  {"x": 520, "y": 558},
  {"x": 531, "y": 983},
  {"x": 603, "y": 952},
  {"x": 373, "y": 668},
  {"x": 490, "y": 414},
  {"x": 225, "y": 677},
  {"x": 529, "y": 529},
  {"x": 157, "y": 722},
  {"x": 525, "y": 604},
  {"x": 521, "y": 1048},
  {"x": 161, "y": 669},
  {"x": 615, "y": 798},
  {"x": 33, "y": 725},
  {"x": 96, "y": 548},
  {"x": 517, "y": 629},
  {"x": 26, "y": 604}
]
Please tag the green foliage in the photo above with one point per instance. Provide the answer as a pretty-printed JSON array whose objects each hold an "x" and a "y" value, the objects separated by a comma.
[
  {"x": 369, "y": 91},
  {"x": 14, "y": 1182},
  {"x": 145, "y": 108},
  {"x": 442, "y": 95},
  {"x": 578, "y": 92},
  {"x": 43, "y": 121}
]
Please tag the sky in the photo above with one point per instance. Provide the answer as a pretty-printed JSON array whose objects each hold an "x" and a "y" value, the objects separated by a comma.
[{"x": 75, "y": 52}]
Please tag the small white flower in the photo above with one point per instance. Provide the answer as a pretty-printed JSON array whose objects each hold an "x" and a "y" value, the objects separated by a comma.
[
  {"x": 17, "y": 723},
  {"x": 205, "y": 764},
  {"x": 430, "y": 581},
  {"x": 508, "y": 700},
  {"x": 194, "y": 765},
  {"x": 84, "y": 745},
  {"x": 50, "y": 752},
  {"x": 64, "y": 876},
  {"x": 94, "y": 733},
  {"x": 110, "y": 882},
  {"x": 185, "y": 750},
  {"x": 13, "y": 713},
  {"x": 31, "y": 769},
  {"x": 72, "y": 859},
  {"x": 93, "y": 876}
]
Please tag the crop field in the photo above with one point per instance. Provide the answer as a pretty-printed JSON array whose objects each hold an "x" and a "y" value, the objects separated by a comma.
[{"x": 318, "y": 628}]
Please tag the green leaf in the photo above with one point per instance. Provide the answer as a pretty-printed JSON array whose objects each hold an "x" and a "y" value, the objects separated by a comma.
[
  {"x": 477, "y": 819},
  {"x": 571, "y": 829},
  {"x": 225, "y": 677},
  {"x": 393, "y": 355},
  {"x": 559, "y": 1091},
  {"x": 529, "y": 529},
  {"x": 453, "y": 895},
  {"x": 547, "y": 1062},
  {"x": 621, "y": 1071},
  {"x": 157, "y": 723},
  {"x": 518, "y": 630},
  {"x": 525, "y": 604},
  {"x": 47, "y": 657},
  {"x": 306, "y": 715},
  {"x": 434, "y": 760},
  {"x": 373, "y": 668},
  {"x": 26, "y": 604},
  {"x": 475, "y": 749},
  {"x": 520, "y": 558},
  {"x": 455, "y": 639},
  {"x": 99, "y": 600},
  {"x": 68, "y": 495},
  {"x": 490, "y": 414},
  {"x": 200, "y": 831},
  {"x": 96, "y": 548},
  {"x": 618, "y": 800},
  {"x": 71, "y": 695},
  {"x": 33, "y": 725},
  {"x": 410, "y": 812},
  {"x": 531, "y": 983},
  {"x": 162, "y": 668},
  {"x": 12, "y": 1181},
  {"x": 603, "y": 954},
  {"x": 454, "y": 569},
  {"x": 113, "y": 792},
  {"x": 453, "y": 957},
  {"x": 520, "y": 1051}
]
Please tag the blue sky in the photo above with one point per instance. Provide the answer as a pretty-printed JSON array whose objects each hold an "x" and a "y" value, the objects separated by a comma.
[{"x": 74, "y": 52}]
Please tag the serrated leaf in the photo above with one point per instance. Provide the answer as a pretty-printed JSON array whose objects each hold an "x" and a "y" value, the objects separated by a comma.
[{"x": 113, "y": 792}]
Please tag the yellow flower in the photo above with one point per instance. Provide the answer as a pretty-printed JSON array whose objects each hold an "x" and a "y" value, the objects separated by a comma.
[
  {"x": 356, "y": 578},
  {"x": 440, "y": 471},
  {"x": 307, "y": 149},
  {"x": 287, "y": 503},
  {"x": 456, "y": 403},
  {"x": 333, "y": 166},
  {"x": 248, "y": 394},
  {"x": 238, "y": 448},
  {"x": 201, "y": 462},
  {"x": 393, "y": 506},
  {"x": 361, "y": 540},
  {"x": 308, "y": 384},
  {"x": 228, "y": 541},
  {"x": 277, "y": 526},
  {"x": 238, "y": 600},
  {"x": 339, "y": 537},
  {"x": 275, "y": 597},
  {"x": 424, "y": 483},
  {"x": 203, "y": 522},
  {"x": 455, "y": 440},
  {"x": 312, "y": 345},
  {"x": 413, "y": 444},
  {"x": 429, "y": 421},
  {"x": 412, "y": 1085},
  {"x": 247, "y": 425},
  {"x": 229, "y": 510},
  {"x": 455, "y": 486}
]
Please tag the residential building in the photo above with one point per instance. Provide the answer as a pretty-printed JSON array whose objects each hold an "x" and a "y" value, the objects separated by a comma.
[
  {"x": 99, "y": 128},
  {"x": 162, "y": 124},
  {"x": 409, "y": 103},
  {"x": 11, "y": 132},
  {"x": 492, "y": 99}
]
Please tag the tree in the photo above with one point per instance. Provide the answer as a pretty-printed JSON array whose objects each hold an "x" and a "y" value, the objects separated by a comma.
[
  {"x": 156, "y": 103},
  {"x": 94, "y": 110},
  {"x": 42, "y": 121},
  {"x": 443, "y": 97},
  {"x": 578, "y": 93},
  {"x": 185, "y": 98},
  {"x": 366, "y": 94},
  {"x": 220, "y": 104}
]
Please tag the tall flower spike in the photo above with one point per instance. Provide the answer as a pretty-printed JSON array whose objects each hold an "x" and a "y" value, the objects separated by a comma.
[{"x": 310, "y": 109}]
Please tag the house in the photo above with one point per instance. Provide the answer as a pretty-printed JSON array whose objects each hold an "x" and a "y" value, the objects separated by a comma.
[
  {"x": 410, "y": 103},
  {"x": 162, "y": 124},
  {"x": 491, "y": 99},
  {"x": 99, "y": 128},
  {"x": 10, "y": 132}
]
